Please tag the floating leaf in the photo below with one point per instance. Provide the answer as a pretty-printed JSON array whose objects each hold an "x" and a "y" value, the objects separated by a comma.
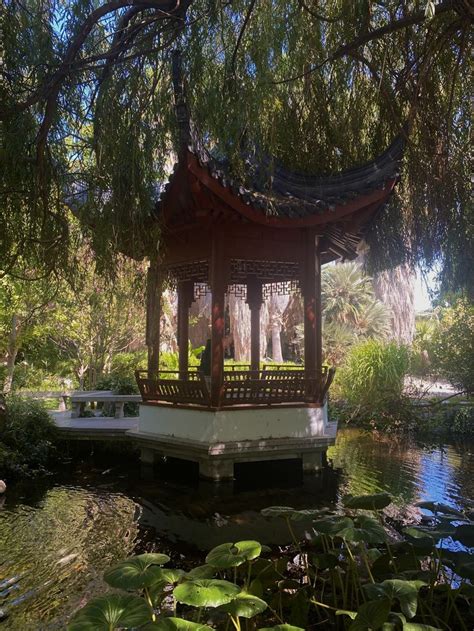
[
  {"x": 245, "y": 606},
  {"x": 137, "y": 572},
  {"x": 377, "y": 501},
  {"x": 364, "y": 529},
  {"x": 114, "y": 611},
  {"x": 278, "y": 511},
  {"x": 205, "y": 592},
  {"x": 176, "y": 624},
  {"x": 371, "y": 615}
]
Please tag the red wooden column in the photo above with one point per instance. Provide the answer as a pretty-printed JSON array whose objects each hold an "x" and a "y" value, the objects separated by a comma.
[
  {"x": 312, "y": 308},
  {"x": 254, "y": 301},
  {"x": 185, "y": 298},
  {"x": 218, "y": 279},
  {"x": 153, "y": 315}
]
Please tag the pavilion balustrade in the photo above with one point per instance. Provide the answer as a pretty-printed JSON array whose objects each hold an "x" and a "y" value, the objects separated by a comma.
[{"x": 268, "y": 386}]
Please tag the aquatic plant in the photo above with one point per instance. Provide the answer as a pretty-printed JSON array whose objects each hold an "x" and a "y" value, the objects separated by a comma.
[{"x": 348, "y": 573}]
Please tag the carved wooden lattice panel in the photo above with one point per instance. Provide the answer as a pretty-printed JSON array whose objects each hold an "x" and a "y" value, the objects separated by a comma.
[
  {"x": 197, "y": 271},
  {"x": 238, "y": 290},
  {"x": 266, "y": 271}
]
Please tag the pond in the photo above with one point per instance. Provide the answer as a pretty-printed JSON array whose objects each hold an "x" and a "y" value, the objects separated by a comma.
[{"x": 58, "y": 535}]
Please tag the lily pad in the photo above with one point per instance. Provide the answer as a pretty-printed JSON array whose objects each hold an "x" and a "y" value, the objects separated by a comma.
[
  {"x": 306, "y": 514},
  {"x": 229, "y": 555},
  {"x": 114, "y": 611},
  {"x": 332, "y": 526},
  {"x": 364, "y": 529},
  {"x": 371, "y": 615},
  {"x": 176, "y": 624},
  {"x": 376, "y": 501},
  {"x": 406, "y": 592},
  {"x": 137, "y": 572},
  {"x": 245, "y": 606},
  {"x": 325, "y": 561},
  {"x": 170, "y": 575},
  {"x": 205, "y": 592},
  {"x": 465, "y": 534},
  {"x": 201, "y": 571}
]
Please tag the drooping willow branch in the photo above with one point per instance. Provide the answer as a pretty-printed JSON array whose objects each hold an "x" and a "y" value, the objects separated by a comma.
[{"x": 372, "y": 35}]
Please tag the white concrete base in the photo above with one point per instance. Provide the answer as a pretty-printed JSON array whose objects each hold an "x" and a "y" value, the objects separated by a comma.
[
  {"x": 219, "y": 439},
  {"x": 209, "y": 426}
]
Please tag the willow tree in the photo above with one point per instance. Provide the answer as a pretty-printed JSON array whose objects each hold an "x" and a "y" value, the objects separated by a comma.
[{"x": 86, "y": 108}]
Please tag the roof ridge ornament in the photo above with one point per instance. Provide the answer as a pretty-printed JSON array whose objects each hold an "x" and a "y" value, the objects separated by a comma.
[{"x": 181, "y": 106}]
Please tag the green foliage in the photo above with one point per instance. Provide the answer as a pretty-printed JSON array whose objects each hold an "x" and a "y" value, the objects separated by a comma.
[
  {"x": 91, "y": 109},
  {"x": 27, "y": 439},
  {"x": 453, "y": 345},
  {"x": 351, "y": 312},
  {"x": 463, "y": 422},
  {"x": 348, "y": 574},
  {"x": 374, "y": 372}
]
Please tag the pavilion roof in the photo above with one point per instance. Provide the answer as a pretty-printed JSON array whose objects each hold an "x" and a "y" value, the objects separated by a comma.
[{"x": 278, "y": 196}]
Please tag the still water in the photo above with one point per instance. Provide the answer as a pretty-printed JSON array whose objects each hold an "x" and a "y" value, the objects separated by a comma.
[{"x": 58, "y": 535}]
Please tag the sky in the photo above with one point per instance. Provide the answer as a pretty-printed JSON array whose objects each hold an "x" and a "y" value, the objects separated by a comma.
[{"x": 422, "y": 286}]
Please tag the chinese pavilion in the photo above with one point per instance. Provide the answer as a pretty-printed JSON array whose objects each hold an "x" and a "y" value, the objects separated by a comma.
[{"x": 218, "y": 236}]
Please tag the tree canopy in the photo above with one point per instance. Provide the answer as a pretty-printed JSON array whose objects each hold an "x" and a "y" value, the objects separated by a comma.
[{"x": 88, "y": 123}]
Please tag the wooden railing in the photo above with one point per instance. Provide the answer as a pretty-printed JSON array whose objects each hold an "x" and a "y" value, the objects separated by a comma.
[
  {"x": 250, "y": 387},
  {"x": 189, "y": 387}
]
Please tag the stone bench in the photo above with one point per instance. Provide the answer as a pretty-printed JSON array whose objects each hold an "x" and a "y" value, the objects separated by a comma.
[{"x": 80, "y": 399}]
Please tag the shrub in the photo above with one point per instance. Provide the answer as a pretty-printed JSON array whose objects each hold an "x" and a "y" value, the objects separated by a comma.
[
  {"x": 27, "y": 438},
  {"x": 374, "y": 371},
  {"x": 453, "y": 345},
  {"x": 463, "y": 422}
]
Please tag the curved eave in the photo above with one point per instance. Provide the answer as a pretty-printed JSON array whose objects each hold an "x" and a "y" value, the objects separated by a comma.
[{"x": 375, "y": 199}]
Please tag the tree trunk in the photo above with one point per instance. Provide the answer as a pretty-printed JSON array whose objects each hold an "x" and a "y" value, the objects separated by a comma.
[
  {"x": 396, "y": 289},
  {"x": 239, "y": 314},
  {"x": 12, "y": 352}
]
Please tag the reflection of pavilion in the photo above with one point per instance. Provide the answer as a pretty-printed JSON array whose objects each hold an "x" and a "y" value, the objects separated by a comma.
[{"x": 220, "y": 237}]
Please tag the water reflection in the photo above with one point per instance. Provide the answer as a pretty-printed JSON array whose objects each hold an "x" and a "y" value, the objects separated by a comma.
[{"x": 58, "y": 535}]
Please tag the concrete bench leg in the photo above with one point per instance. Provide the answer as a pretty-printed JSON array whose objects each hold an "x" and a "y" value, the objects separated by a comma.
[
  {"x": 62, "y": 404},
  {"x": 119, "y": 410},
  {"x": 76, "y": 410}
]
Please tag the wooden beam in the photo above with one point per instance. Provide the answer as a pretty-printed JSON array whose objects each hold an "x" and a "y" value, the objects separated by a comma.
[
  {"x": 218, "y": 278},
  {"x": 185, "y": 298},
  {"x": 311, "y": 285},
  {"x": 153, "y": 315},
  {"x": 254, "y": 301}
]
